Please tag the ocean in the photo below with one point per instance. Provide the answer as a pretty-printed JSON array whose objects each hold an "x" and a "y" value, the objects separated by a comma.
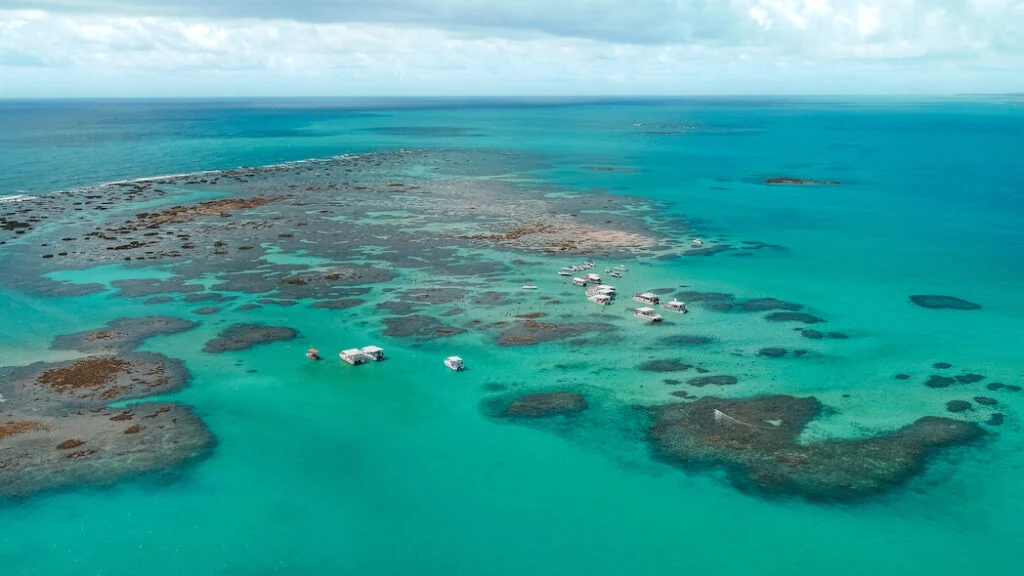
[{"x": 401, "y": 467}]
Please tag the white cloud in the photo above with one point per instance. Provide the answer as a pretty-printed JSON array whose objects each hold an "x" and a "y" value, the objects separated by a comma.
[{"x": 538, "y": 46}]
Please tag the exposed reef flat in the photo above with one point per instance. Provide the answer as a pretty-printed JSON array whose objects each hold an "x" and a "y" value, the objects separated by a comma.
[
  {"x": 937, "y": 302},
  {"x": 756, "y": 442},
  {"x": 245, "y": 336},
  {"x": 97, "y": 446},
  {"x": 57, "y": 428},
  {"x": 90, "y": 382}
]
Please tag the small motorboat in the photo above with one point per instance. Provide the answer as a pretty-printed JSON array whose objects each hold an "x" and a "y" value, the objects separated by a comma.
[
  {"x": 579, "y": 281},
  {"x": 607, "y": 270},
  {"x": 676, "y": 306},
  {"x": 615, "y": 275},
  {"x": 565, "y": 273},
  {"x": 313, "y": 354},
  {"x": 621, "y": 268},
  {"x": 594, "y": 278},
  {"x": 698, "y": 242},
  {"x": 455, "y": 363},
  {"x": 647, "y": 315},
  {"x": 529, "y": 287},
  {"x": 588, "y": 264}
]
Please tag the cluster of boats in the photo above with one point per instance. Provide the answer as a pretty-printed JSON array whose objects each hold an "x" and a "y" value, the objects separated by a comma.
[
  {"x": 604, "y": 294},
  {"x": 357, "y": 356},
  {"x": 354, "y": 356}
]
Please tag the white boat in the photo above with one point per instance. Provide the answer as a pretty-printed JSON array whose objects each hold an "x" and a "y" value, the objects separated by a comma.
[
  {"x": 621, "y": 268},
  {"x": 375, "y": 353},
  {"x": 605, "y": 287},
  {"x": 676, "y": 306},
  {"x": 353, "y": 356},
  {"x": 647, "y": 314},
  {"x": 455, "y": 363},
  {"x": 565, "y": 273},
  {"x": 579, "y": 281},
  {"x": 594, "y": 278},
  {"x": 698, "y": 242},
  {"x": 588, "y": 264},
  {"x": 601, "y": 291},
  {"x": 647, "y": 298},
  {"x": 529, "y": 287},
  {"x": 616, "y": 275},
  {"x": 607, "y": 270},
  {"x": 602, "y": 299}
]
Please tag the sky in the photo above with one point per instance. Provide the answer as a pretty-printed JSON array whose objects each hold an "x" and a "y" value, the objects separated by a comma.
[{"x": 237, "y": 48}]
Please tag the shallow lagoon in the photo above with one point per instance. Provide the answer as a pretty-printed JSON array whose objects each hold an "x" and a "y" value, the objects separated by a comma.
[{"x": 375, "y": 471}]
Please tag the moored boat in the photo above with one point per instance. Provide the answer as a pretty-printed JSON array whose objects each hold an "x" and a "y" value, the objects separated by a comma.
[
  {"x": 353, "y": 356},
  {"x": 676, "y": 306},
  {"x": 455, "y": 363},
  {"x": 313, "y": 354},
  {"x": 649, "y": 298},
  {"x": 375, "y": 353},
  {"x": 579, "y": 281},
  {"x": 647, "y": 314}
]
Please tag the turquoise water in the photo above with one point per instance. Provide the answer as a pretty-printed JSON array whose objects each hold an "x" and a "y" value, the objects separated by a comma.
[{"x": 392, "y": 469}]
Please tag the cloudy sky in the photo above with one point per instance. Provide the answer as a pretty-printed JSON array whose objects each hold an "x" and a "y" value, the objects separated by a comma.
[{"x": 500, "y": 47}]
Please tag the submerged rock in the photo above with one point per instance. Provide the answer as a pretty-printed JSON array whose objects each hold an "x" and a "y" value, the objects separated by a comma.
[
  {"x": 245, "y": 336},
  {"x": 956, "y": 406},
  {"x": 529, "y": 332},
  {"x": 942, "y": 365},
  {"x": 122, "y": 334},
  {"x": 984, "y": 401},
  {"x": 902, "y": 376},
  {"x": 767, "y": 304},
  {"x": 772, "y": 352},
  {"x": 995, "y": 419},
  {"x": 702, "y": 381},
  {"x": 673, "y": 365},
  {"x": 686, "y": 340},
  {"x": 793, "y": 317},
  {"x": 422, "y": 327},
  {"x": 539, "y": 405},
  {"x": 937, "y": 302},
  {"x": 756, "y": 441},
  {"x": 969, "y": 378},
  {"x": 937, "y": 381}
]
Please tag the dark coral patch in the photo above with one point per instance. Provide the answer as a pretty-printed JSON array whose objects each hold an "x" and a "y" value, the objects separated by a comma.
[
  {"x": 767, "y": 304},
  {"x": 756, "y": 441},
  {"x": 672, "y": 365},
  {"x": 245, "y": 336},
  {"x": 956, "y": 406},
  {"x": 538, "y": 405},
  {"x": 702, "y": 381},
  {"x": 793, "y": 317},
  {"x": 937, "y": 302},
  {"x": 937, "y": 381}
]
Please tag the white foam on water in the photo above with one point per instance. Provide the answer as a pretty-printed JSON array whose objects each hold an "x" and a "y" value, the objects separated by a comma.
[{"x": 16, "y": 198}]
